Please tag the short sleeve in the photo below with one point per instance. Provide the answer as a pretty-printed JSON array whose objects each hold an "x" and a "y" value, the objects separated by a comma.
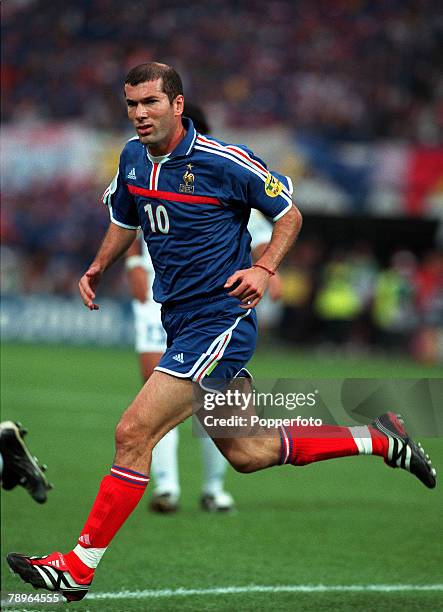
[
  {"x": 121, "y": 204},
  {"x": 253, "y": 184}
]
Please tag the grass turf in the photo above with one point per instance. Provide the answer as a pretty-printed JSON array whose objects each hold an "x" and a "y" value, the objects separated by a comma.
[{"x": 341, "y": 522}]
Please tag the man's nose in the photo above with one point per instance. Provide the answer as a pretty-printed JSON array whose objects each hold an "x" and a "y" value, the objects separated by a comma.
[{"x": 141, "y": 111}]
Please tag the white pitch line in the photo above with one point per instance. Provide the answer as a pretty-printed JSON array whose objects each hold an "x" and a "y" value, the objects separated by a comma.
[{"x": 296, "y": 588}]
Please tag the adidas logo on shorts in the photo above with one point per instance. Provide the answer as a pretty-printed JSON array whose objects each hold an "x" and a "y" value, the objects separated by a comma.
[
  {"x": 179, "y": 358},
  {"x": 131, "y": 175}
]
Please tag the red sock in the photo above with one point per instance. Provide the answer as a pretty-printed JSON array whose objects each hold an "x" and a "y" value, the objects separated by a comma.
[
  {"x": 81, "y": 572},
  {"x": 303, "y": 445},
  {"x": 118, "y": 495}
]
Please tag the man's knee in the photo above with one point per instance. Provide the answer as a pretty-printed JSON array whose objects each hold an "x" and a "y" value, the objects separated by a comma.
[
  {"x": 129, "y": 435},
  {"x": 241, "y": 460},
  {"x": 244, "y": 466},
  {"x": 250, "y": 454}
]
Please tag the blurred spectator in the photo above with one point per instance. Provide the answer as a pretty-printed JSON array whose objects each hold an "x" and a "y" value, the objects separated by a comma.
[
  {"x": 364, "y": 273},
  {"x": 430, "y": 288},
  {"x": 337, "y": 303},
  {"x": 394, "y": 309},
  {"x": 300, "y": 273},
  {"x": 429, "y": 339}
]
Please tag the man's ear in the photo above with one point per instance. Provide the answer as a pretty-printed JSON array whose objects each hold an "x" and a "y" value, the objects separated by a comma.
[{"x": 178, "y": 104}]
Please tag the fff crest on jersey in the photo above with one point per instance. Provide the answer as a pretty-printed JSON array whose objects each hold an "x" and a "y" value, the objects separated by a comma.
[
  {"x": 188, "y": 181},
  {"x": 273, "y": 187}
]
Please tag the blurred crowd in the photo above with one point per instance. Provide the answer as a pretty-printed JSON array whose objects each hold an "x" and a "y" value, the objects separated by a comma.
[
  {"x": 348, "y": 297},
  {"x": 326, "y": 71},
  {"x": 49, "y": 235},
  {"x": 344, "y": 70}
]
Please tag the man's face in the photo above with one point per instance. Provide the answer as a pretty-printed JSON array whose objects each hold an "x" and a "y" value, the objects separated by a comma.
[{"x": 153, "y": 116}]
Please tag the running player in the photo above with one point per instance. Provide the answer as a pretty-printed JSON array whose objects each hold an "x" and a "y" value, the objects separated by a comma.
[{"x": 192, "y": 197}]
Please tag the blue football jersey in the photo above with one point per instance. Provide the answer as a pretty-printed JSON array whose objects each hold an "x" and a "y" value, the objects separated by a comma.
[{"x": 193, "y": 209}]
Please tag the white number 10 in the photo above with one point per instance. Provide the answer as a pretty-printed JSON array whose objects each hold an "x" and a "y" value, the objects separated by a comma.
[{"x": 161, "y": 220}]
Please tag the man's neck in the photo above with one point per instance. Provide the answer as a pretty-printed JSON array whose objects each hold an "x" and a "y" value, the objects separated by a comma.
[{"x": 161, "y": 149}]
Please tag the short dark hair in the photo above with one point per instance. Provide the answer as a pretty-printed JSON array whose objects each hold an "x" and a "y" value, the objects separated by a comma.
[{"x": 151, "y": 71}]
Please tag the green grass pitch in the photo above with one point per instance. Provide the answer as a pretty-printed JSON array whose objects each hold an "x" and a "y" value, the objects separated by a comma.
[{"x": 345, "y": 522}]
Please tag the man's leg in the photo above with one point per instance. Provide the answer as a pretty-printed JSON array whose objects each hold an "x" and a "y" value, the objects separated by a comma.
[
  {"x": 162, "y": 403},
  {"x": 386, "y": 437},
  {"x": 214, "y": 497},
  {"x": 254, "y": 448},
  {"x": 164, "y": 470},
  {"x": 164, "y": 466}
]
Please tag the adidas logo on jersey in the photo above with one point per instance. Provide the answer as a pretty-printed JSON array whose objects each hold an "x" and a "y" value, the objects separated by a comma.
[
  {"x": 132, "y": 175},
  {"x": 179, "y": 358}
]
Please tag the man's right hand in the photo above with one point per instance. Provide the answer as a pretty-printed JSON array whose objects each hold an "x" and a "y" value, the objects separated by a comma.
[
  {"x": 88, "y": 284},
  {"x": 138, "y": 283}
]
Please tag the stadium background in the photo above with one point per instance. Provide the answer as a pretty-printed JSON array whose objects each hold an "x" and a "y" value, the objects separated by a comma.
[{"x": 347, "y": 99}]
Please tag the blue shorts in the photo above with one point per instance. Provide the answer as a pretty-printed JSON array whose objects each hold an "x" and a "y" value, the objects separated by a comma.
[{"x": 215, "y": 339}]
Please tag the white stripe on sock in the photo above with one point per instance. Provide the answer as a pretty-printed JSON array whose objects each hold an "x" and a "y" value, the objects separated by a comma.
[
  {"x": 363, "y": 440},
  {"x": 141, "y": 479},
  {"x": 90, "y": 556}
]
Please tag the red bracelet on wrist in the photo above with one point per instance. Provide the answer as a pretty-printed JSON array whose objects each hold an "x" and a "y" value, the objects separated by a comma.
[{"x": 270, "y": 272}]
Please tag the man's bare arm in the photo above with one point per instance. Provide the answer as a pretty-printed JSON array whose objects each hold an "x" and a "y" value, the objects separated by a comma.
[
  {"x": 136, "y": 271},
  {"x": 254, "y": 281},
  {"x": 275, "y": 286},
  {"x": 284, "y": 234},
  {"x": 116, "y": 241}
]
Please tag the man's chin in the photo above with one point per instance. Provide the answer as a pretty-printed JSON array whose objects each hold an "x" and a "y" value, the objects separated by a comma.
[{"x": 146, "y": 140}]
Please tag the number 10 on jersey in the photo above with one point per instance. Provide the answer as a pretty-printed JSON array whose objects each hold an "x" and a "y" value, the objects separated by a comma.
[{"x": 159, "y": 221}]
